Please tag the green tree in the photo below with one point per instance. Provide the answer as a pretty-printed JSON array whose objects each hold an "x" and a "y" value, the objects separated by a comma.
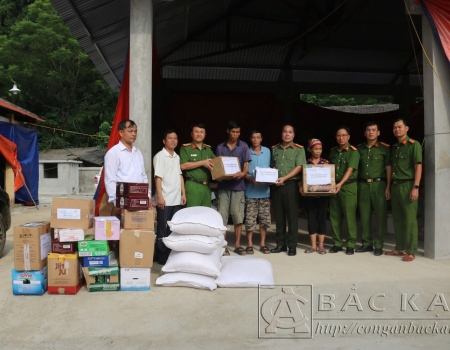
[
  {"x": 58, "y": 80},
  {"x": 10, "y": 12}
]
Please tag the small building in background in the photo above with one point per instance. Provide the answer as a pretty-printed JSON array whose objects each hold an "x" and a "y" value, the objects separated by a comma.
[{"x": 69, "y": 171}]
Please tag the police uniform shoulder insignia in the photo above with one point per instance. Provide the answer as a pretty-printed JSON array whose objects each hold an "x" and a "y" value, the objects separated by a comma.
[
  {"x": 334, "y": 148},
  {"x": 206, "y": 145},
  {"x": 353, "y": 148},
  {"x": 186, "y": 144},
  {"x": 299, "y": 146},
  {"x": 385, "y": 144},
  {"x": 276, "y": 145},
  {"x": 411, "y": 140}
]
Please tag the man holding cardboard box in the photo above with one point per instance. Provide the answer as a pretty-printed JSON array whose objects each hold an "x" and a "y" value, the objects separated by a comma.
[
  {"x": 124, "y": 162},
  {"x": 374, "y": 183},
  {"x": 231, "y": 192},
  {"x": 195, "y": 160},
  {"x": 288, "y": 157},
  {"x": 169, "y": 188},
  {"x": 343, "y": 204}
]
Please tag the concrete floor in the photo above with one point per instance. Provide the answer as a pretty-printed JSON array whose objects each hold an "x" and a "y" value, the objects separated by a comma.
[{"x": 170, "y": 318}]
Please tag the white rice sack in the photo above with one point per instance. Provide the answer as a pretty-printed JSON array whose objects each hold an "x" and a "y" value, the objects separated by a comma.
[
  {"x": 182, "y": 279},
  {"x": 193, "y": 243},
  {"x": 245, "y": 272},
  {"x": 192, "y": 262},
  {"x": 197, "y": 221}
]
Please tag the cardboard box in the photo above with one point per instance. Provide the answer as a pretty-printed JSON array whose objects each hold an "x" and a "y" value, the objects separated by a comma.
[
  {"x": 70, "y": 234},
  {"x": 132, "y": 189},
  {"x": 93, "y": 248},
  {"x": 102, "y": 279},
  {"x": 64, "y": 248},
  {"x": 72, "y": 213},
  {"x": 29, "y": 282},
  {"x": 64, "y": 274},
  {"x": 132, "y": 203},
  {"x": 136, "y": 248},
  {"x": 107, "y": 228},
  {"x": 134, "y": 278},
  {"x": 106, "y": 208},
  {"x": 141, "y": 219},
  {"x": 266, "y": 175},
  {"x": 100, "y": 261},
  {"x": 319, "y": 180},
  {"x": 32, "y": 243},
  {"x": 225, "y": 167}
]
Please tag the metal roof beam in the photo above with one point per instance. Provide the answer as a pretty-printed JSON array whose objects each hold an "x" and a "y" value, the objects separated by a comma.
[
  {"x": 229, "y": 13},
  {"x": 122, "y": 26},
  {"x": 86, "y": 30},
  {"x": 297, "y": 88},
  {"x": 235, "y": 49}
]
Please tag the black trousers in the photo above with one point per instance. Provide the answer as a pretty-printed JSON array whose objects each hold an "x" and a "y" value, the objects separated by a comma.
[
  {"x": 285, "y": 204},
  {"x": 163, "y": 230},
  {"x": 316, "y": 209}
]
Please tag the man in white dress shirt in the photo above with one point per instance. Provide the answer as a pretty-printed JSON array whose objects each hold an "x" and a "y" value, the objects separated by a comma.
[
  {"x": 123, "y": 162},
  {"x": 170, "y": 190}
]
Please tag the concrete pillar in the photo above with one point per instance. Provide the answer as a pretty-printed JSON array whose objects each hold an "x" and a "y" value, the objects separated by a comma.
[
  {"x": 141, "y": 43},
  {"x": 437, "y": 146}
]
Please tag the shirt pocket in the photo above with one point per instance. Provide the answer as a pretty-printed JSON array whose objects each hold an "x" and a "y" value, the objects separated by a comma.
[
  {"x": 375, "y": 159},
  {"x": 403, "y": 159}
]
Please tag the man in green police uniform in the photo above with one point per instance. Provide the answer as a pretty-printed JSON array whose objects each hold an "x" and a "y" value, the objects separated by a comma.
[
  {"x": 288, "y": 158},
  {"x": 343, "y": 203},
  {"x": 406, "y": 157},
  {"x": 374, "y": 188},
  {"x": 195, "y": 159}
]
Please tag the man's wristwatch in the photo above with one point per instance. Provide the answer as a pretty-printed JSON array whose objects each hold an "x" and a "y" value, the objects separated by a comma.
[{"x": 416, "y": 187}]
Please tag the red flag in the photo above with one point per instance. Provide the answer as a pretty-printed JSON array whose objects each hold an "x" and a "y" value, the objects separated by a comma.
[
  {"x": 438, "y": 13},
  {"x": 9, "y": 151},
  {"x": 123, "y": 113}
]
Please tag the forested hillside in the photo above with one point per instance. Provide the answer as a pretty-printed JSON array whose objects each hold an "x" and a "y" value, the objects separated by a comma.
[{"x": 59, "y": 82}]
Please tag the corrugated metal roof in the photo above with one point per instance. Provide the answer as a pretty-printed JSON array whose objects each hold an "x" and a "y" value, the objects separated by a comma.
[
  {"x": 87, "y": 154},
  {"x": 18, "y": 110},
  {"x": 306, "y": 76},
  {"x": 364, "y": 42},
  {"x": 217, "y": 73}
]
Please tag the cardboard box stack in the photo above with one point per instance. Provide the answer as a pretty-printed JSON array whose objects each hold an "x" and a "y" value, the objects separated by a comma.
[
  {"x": 32, "y": 243},
  {"x": 75, "y": 246},
  {"x": 137, "y": 237},
  {"x": 71, "y": 221},
  {"x": 98, "y": 255}
]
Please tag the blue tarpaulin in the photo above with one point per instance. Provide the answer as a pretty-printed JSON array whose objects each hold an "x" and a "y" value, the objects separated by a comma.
[{"x": 28, "y": 157}]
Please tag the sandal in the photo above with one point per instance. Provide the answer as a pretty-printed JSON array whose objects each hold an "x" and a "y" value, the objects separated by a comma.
[
  {"x": 322, "y": 251},
  {"x": 265, "y": 249},
  {"x": 249, "y": 250},
  {"x": 408, "y": 257},
  {"x": 310, "y": 250},
  {"x": 396, "y": 252},
  {"x": 240, "y": 251},
  {"x": 226, "y": 252}
]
